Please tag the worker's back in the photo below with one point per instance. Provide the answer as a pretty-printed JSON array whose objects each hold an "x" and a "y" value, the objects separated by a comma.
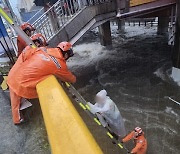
[{"x": 25, "y": 74}]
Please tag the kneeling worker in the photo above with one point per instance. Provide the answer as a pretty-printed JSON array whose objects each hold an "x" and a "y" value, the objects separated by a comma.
[
  {"x": 33, "y": 66},
  {"x": 140, "y": 142}
]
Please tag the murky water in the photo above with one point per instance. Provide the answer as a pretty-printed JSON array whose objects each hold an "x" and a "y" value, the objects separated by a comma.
[{"x": 136, "y": 75}]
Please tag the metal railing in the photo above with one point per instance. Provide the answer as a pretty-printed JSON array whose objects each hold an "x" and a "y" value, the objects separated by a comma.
[
  {"x": 56, "y": 17},
  {"x": 60, "y": 14}
]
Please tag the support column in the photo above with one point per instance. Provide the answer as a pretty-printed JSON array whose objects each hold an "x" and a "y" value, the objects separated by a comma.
[
  {"x": 121, "y": 25},
  {"x": 122, "y": 7},
  {"x": 163, "y": 24},
  {"x": 176, "y": 50},
  {"x": 105, "y": 34}
]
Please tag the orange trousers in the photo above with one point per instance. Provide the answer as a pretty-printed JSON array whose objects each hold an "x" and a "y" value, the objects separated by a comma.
[{"x": 15, "y": 106}]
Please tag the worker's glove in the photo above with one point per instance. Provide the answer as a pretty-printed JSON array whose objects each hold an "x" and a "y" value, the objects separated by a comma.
[{"x": 92, "y": 110}]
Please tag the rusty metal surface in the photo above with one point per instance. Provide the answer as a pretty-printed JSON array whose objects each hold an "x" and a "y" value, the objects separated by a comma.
[
  {"x": 140, "y": 2},
  {"x": 156, "y": 4}
]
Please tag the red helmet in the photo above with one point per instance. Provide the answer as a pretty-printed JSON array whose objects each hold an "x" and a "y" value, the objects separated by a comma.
[
  {"x": 64, "y": 46},
  {"x": 27, "y": 26},
  {"x": 40, "y": 38},
  {"x": 138, "y": 130}
]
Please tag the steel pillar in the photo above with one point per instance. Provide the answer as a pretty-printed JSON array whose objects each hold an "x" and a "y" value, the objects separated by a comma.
[
  {"x": 121, "y": 25},
  {"x": 121, "y": 4},
  {"x": 105, "y": 34},
  {"x": 163, "y": 24},
  {"x": 176, "y": 50}
]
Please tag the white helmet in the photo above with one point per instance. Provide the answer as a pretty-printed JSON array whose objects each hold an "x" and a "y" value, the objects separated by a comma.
[{"x": 138, "y": 130}]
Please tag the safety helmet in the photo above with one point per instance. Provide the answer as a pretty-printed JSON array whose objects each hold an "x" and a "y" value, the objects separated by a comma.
[
  {"x": 27, "y": 26},
  {"x": 39, "y": 38},
  {"x": 138, "y": 130},
  {"x": 64, "y": 46}
]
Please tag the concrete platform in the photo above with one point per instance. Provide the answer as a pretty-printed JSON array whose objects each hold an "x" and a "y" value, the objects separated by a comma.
[{"x": 23, "y": 139}]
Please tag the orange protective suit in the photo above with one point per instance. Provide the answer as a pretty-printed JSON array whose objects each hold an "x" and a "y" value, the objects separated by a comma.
[
  {"x": 21, "y": 44},
  {"x": 15, "y": 105},
  {"x": 140, "y": 143},
  {"x": 32, "y": 67}
]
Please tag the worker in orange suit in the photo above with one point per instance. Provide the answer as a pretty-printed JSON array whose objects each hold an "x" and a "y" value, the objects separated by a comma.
[
  {"x": 33, "y": 66},
  {"x": 140, "y": 142},
  {"x": 21, "y": 44},
  {"x": 39, "y": 40}
]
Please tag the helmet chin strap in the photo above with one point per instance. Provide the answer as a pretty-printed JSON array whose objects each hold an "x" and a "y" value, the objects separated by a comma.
[
  {"x": 69, "y": 53},
  {"x": 67, "y": 58}
]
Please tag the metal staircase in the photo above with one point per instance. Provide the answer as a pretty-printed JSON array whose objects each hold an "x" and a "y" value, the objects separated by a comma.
[{"x": 69, "y": 20}]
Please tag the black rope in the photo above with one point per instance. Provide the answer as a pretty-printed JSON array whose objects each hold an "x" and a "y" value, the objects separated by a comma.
[
  {"x": 8, "y": 52},
  {"x": 10, "y": 58}
]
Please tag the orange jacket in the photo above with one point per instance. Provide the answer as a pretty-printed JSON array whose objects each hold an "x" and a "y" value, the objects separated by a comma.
[
  {"x": 140, "y": 143},
  {"x": 21, "y": 44},
  {"x": 35, "y": 65}
]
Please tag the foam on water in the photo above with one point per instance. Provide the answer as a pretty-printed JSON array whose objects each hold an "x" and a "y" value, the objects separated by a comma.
[
  {"x": 170, "y": 110},
  {"x": 122, "y": 71},
  {"x": 87, "y": 54},
  {"x": 132, "y": 31},
  {"x": 160, "y": 73}
]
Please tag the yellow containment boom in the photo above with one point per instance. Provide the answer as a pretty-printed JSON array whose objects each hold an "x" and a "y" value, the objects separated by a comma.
[{"x": 66, "y": 130}]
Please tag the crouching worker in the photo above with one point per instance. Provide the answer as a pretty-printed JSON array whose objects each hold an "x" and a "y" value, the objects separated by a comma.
[
  {"x": 33, "y": 66},
  {"x": 108, "y": 113},
  {"x": 140, "y": 142}
]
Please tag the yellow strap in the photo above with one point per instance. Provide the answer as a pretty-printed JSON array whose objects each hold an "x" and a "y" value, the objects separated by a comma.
[
  {"x": 82, "y": 105},
  {"x": 97, "y": 121},
  {"x": 110, "y": 135},
  {"x": 120, "y": 145},
  {"x": 87, "y": 106},
  {"x": 3, "y": 13},
  {"x": 67, "y": 84},
  {"x": 4, "y": 85}
]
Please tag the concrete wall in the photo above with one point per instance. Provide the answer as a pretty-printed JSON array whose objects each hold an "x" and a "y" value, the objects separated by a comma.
[{"x": 27, "y": 4}]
